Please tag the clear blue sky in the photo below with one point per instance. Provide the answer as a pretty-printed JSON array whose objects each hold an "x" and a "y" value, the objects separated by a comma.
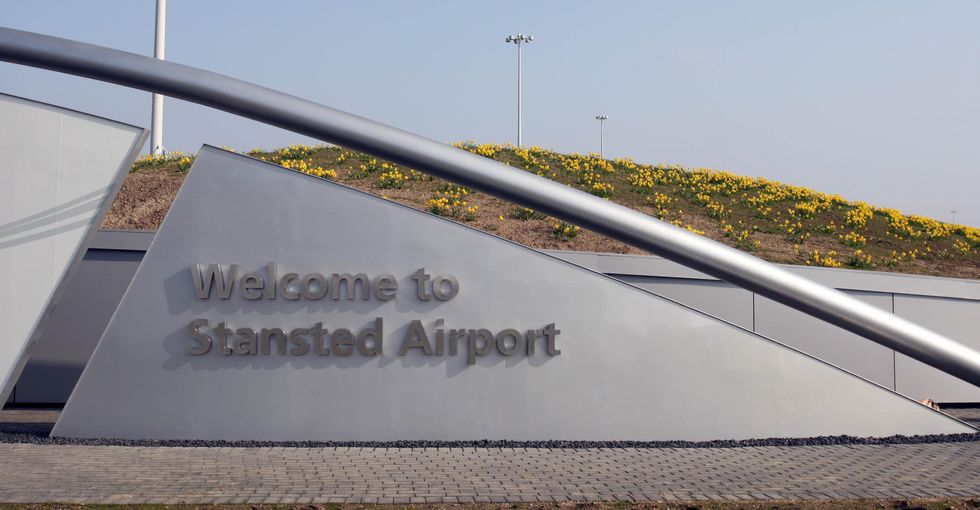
[{"x": 874, "y": 100}]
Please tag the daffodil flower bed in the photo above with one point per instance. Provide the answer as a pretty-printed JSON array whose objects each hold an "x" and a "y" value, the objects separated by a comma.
[{"x": 780, "y": 222}]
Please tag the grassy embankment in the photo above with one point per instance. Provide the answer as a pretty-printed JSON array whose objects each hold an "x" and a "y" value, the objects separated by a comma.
[{"x": 777, "y": 222}]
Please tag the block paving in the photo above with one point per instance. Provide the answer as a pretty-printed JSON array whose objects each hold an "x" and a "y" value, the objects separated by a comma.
[{"x": 122, "y": 474}]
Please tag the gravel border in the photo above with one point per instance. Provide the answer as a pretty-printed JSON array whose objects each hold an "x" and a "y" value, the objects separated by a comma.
[{"x": 42, "y": 439}]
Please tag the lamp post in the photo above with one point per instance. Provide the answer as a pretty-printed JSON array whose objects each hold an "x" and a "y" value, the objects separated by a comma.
[
  {"x": 602, "y": 121},
  {"x": 519, "y": 40},
  {"x": 156, "y": 143}
]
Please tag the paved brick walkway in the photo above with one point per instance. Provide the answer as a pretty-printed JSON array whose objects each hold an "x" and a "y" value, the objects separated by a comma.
[{"x": 116, "y": 474}]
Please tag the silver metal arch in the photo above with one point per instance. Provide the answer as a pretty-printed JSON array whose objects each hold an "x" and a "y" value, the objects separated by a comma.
[{"x": 627, "y": 225}]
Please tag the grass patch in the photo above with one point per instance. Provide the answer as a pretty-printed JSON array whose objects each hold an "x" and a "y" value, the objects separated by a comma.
[{"x": 778, "y": 222}]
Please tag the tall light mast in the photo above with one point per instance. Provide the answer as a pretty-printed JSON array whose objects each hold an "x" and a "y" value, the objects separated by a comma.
[
  {"x": 519, "y": 40},
  {"x": 156, "y": 143},
  {"x": 602, "y": 120}
]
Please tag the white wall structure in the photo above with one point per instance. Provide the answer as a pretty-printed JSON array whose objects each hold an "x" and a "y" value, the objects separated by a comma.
[
  {"x": 59, "y": 171},
  {"x": 64, "y": 348},
  {"x": 179, "y": 359},
  {"x": 946, "y": 305},
  {"x": 78, "y": 321},
  {"x": 956, "y": 318}
]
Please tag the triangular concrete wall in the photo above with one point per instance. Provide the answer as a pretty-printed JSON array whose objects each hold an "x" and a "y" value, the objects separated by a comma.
[
  {"x": 632, "y": 365},
  {"x": 59, "y": 170}
]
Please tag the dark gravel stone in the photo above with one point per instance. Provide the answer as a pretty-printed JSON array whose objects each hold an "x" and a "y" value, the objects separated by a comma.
[{"x": 43, "y": 439}]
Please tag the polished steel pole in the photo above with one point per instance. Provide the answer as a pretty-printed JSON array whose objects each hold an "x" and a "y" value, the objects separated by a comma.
[
  {"x": 519, "y": 40},
  {"x": 159, "y": 51},
  {"x": 602, "y": 141},
  {"x": 520, "y": 139},
  {"x": 524, "y": 188}
]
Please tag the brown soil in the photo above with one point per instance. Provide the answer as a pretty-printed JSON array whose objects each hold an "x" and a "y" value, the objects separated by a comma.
[{"x": 144, "y": 200}]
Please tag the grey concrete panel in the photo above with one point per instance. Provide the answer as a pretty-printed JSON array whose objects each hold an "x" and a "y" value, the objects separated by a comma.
[
  {"x": 720, "y": 299},
  {"x": 956, "y": 318},
  {"x": 122, "y": 240},
  {"x": 896, "y": 283},
  {"x": 632, "y": 365},
  {"x": 847, "y": 279},
  {"x": 59, "y": 170},
  {"x": 672, "y": 279},
  {"x": 828, "y": 342},
  {"x": 75, "y": 326}
]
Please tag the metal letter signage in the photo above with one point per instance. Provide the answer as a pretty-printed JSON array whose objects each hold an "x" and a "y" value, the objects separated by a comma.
[
  {"x": 59, "y": 171},
  {"x": 318, "y": 312},
  {"x": 315, "y": 286}
]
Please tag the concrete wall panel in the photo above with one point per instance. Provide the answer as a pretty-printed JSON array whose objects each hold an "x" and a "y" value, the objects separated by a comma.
[
  {"x": 731, "y": 304},
  {"x": 828, "y": 342},
  {"x": 632, "y": 364},
  {"x": 60, "y": 354},
  {"x": 958, "y": 319},
  {"x": 720, "y": 299},
  {"x": 59, "y": 170}
]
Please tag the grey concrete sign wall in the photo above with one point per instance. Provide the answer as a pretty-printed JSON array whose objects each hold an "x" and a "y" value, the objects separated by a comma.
[
  {"x": 60, "y": 354},
  {"x": 74, "y": 327},
  {"x": 277, "y": 306},
  {"x": 59, "y": 170},
  {"x": 946, "y": 305}
]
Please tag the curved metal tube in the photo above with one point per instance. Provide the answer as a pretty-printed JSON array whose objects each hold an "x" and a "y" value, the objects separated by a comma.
[{"x": 627, "y": 225}]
